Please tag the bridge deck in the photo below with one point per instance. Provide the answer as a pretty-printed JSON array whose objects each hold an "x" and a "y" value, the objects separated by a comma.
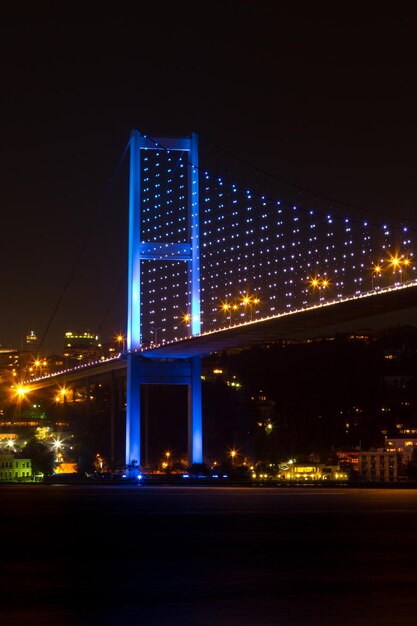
[
  {"x": 325, "y": 319},
  {"x": 317, "y": 319}
]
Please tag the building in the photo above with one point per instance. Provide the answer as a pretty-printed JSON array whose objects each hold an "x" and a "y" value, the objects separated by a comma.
[
  {"x": 81, "y": 346},
  {"x": 404, "y": 446},
  {"x": 15, "y": 470},
  {"x": 348, "y": 460},
  {"x": 16, "y": 365},
  {"x": 378, "y": 466},
  {"x": 10, "y": 364},
  {"x": 32, "y": 343},
  {"x": 312, "y": 472}
]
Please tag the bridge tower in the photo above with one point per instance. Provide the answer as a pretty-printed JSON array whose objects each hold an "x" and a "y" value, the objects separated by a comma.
[{"x": 145, "y": 367}]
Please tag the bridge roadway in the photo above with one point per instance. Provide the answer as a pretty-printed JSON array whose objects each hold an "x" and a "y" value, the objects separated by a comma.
[
  {"x": 294, "y": 324},
  {"x": 324, "y": 318}
]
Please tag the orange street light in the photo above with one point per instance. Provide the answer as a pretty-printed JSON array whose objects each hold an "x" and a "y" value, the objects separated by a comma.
[
  {"x": 376, "y": 272},
  {"x": 61, "y": 395},
  {"x": 395, "y": 262},
  {"x": 233, "y": 454},
  {"x": 406, "y": 263},
  {"x": 248, "y": 301},
  {"x": 21, "y": 392},
  {"x": 227, "y": 308},
  {"x": 121, "y": 339},
  {"x": 186, "y": 319},
  {"x": 314, "y": 282}
]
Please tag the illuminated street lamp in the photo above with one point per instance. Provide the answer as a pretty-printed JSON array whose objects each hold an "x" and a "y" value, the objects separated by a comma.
[
  {"x": 400, "y": 263},
  {"x": 233, "y": 454},
  {"x": 121, "y": 340},
  {"x": 227, "y": 308},
  {"x": 248, "y": 301},
  {"x": 19, "y": 395},
  {"x": 395, "y": 262},
  {"x": 319, "y": 284},
  {"x": 186, "y": 318},
  {"x": 376, "y": 272},
  {"x": 61, "y": 395},
  {"x": 325, "y": 284},
  {"x": 21, "y": 392},
  {"x": 314, "y": 283},
  {"x": 57, "y": 447},
  {"x": 406, "y": 262},
  {"x": 57, "y": 444},
  {"x": 165, "y": 464}
]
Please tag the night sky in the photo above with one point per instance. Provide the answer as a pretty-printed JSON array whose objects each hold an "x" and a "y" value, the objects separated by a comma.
[{"x": 324, "y": 97}]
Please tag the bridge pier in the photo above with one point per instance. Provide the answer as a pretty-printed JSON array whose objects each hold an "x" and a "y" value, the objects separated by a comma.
[
  {"x": 144, "y": 247},
  {"x": 143, "y": 370}
]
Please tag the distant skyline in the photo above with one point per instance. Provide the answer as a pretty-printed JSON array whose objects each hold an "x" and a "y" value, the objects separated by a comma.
[{"x": 322, "y": 98}]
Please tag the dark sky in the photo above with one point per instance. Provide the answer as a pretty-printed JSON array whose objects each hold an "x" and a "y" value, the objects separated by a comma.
[{"x": 321, "y": 95}]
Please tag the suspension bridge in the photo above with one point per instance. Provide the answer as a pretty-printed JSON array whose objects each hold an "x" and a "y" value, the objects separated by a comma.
[{"x": 214, "y": 264}]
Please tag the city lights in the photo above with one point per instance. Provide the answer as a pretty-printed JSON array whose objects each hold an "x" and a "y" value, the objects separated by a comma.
[
  {"x": 57, "y": 444},
  {"x": 229, "y": 309},
  {"x": 61, "y": 395},
  {"x": 121, "y": 340},
  {"x": 394, "y": 262},
  {"x": 314, "y": 282},
  {"x": 233, "y": 455},
  {"x": 255, "y": 254},
  {"x": 250, "y": 301},
  {"x": 396, "y": 266},
  {"x": 19, "y": 393}
]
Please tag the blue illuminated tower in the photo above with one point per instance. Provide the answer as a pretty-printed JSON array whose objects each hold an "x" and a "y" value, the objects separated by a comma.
[{"x": 145, "y": 367}]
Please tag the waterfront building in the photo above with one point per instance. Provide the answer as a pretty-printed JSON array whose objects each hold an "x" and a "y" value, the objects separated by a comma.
[
  {"x": 378, "y": 466},
  {"x": 15, "y": 470},
  {"x": 312, "y": 472},
  {"x": 404, "y": 446},
  {"x": 348, "y": 459}
]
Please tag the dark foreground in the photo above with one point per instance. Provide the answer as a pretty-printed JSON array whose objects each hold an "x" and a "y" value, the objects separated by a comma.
[{"x": 211, "y": 556}]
